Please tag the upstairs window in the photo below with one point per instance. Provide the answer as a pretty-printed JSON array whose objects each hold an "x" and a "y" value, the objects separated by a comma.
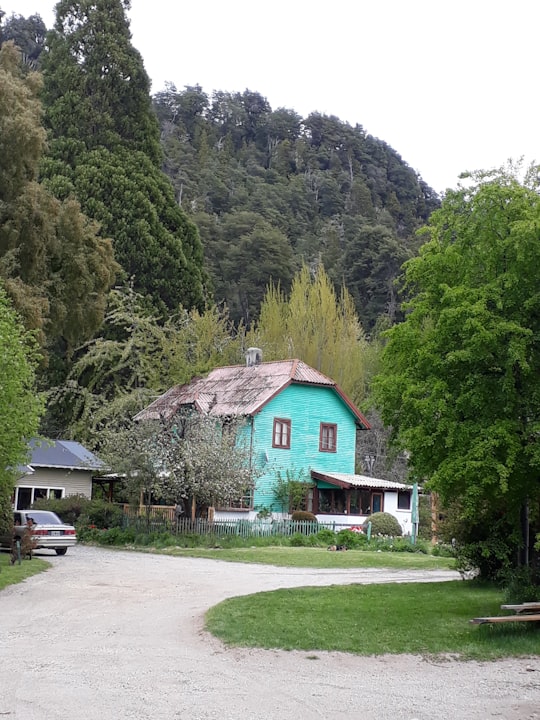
[
  {"x": 328, "y": 437},
  {"x": 281, "y": 437}
]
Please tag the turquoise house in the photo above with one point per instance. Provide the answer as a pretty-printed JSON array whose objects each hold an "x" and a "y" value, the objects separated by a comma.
[{"x": 299, "y": 426}]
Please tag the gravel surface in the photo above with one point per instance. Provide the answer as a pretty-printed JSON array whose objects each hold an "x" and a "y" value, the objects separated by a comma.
[{"x": 107, "y": 635}]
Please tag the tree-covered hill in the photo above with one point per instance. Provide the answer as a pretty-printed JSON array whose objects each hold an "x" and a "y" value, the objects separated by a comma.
[{"x": 269, "y": 189}]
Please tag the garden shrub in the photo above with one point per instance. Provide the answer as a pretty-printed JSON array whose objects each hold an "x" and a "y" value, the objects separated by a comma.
[
  {"x": 326, "y": 537},
  {"x": 520, "y": 585},
  {"x": 303, "y": 516},
  {"x": 350, "y": 539},
  {"x": 101, "y": 514},
  {"x": 68, "y": 508},
  {"x": 299, "y": 540},
  {"x": 385, "y": 524},
  {"x": 443, "y": 550}
]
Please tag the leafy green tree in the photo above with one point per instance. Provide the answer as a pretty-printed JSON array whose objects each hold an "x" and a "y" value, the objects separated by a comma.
[
  {"x": 460, "y": 375},
  {"x": 56, "y": 268},
  {"x": 105, "y": 151},
  {"x": 115, "y": 375},
  {"x": 20, "y": 404}
]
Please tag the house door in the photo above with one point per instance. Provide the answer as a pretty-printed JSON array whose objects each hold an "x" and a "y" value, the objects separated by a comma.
[{"x": 376, "y": 502}]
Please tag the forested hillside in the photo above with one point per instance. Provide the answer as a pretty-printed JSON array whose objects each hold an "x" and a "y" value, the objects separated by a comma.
[
  {"x": 269, "y": 190},
  {"x": 190, "y": 206}
]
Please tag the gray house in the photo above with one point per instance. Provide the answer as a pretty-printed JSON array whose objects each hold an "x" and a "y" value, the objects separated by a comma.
[{"x": 56, "y": 468}]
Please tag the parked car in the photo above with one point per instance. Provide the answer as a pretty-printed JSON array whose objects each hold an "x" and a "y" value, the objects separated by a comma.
[{"x": 48, "y": 531}]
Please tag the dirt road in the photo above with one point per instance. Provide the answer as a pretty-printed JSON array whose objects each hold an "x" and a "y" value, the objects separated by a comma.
[{"x": 108, "y": 635}]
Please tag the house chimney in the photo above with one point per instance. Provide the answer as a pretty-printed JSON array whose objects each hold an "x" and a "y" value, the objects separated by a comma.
[{"x": 253, "y": 356}]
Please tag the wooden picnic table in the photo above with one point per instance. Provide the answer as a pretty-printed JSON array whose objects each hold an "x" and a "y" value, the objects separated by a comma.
[{"x": 525, "y": 612}]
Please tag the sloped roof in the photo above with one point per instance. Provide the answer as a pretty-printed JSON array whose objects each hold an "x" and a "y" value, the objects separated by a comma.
[
  {"x": 346, "y": 480},
  {"x": 241, "y": 390},
  {"x": 63, "y": 454}
]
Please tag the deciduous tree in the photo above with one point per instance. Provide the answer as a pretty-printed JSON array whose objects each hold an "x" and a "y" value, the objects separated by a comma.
[
  {"x": 56, "y": 268},
  {"x": 460, "y": 380},
  {"x": 20, "y": 404},
  {"x": 318, "y": 326}
]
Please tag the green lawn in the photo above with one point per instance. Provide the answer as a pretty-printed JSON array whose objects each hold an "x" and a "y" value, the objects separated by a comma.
[
  {"x": 418, "y": 618},
  {"x": 11, "y": 574},
  {"x": 316, "y": 557}
]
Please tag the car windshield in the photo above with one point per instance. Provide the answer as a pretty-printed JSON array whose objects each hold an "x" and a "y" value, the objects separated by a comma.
[{"x": 40, "y": 517}]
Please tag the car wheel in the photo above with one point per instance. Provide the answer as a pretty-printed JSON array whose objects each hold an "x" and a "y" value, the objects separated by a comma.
[{"x": 61, "y": 551}]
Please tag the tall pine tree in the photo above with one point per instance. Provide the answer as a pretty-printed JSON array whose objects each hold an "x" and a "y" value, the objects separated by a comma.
[{"x": 104, "y": 150}]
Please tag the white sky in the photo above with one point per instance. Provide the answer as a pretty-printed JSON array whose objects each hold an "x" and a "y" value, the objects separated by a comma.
[{"x": 451, "y": 85}]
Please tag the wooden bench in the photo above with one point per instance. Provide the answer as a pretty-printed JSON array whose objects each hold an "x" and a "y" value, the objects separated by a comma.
[
  {"x": 506, "y": 618},
  {"x": 526, "y": 612}
]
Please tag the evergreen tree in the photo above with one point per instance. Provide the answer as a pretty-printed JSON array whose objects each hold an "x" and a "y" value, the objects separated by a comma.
[{"x": 105, "y": 151}]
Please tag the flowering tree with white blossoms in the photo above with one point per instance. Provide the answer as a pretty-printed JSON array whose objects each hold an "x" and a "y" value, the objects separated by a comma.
[{"x": 191, "y": 460}]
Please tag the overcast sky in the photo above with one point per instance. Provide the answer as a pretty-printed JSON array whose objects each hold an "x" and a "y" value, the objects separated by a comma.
[{"x": 451, "y": 85}]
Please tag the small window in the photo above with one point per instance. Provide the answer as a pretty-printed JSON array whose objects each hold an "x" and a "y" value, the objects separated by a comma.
[
  {"x": 404, "y": 500},
  {"x": 328, "y": 437},
  {"x": 282, "y": 433}
]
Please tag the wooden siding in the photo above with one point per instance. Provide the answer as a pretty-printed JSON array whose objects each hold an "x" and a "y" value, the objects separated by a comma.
[
  {"x": 307, "y": 407},
  {"x": 74, "y": 482}
]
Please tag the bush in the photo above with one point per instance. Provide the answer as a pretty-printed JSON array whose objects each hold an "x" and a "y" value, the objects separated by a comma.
[
  {"x": 68, "y": 509},
  {"x": 326, "y": 537},
  {"x": 114, "y": 536},
  {"x": 350, "y": 539},
  {"x": 385, "y": 524},
  {"x": 443, "y": 550},
  {"x": 520, "y": 585},
  {"x": 303, "y": 516},
  {"x": 101, "y": 514},
  {"x": 299, "y": 540}
]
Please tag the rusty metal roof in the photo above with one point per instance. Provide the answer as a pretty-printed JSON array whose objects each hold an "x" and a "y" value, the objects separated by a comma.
[
  {"x": 347, "y": 480},
  {"x": 239, "y": 390}
]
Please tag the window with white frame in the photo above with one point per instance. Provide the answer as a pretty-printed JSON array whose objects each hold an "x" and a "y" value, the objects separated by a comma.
[{"x": 26, "y": 496}]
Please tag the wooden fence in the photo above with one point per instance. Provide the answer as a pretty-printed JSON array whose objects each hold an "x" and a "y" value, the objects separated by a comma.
[{"x": 163, "y": 520}]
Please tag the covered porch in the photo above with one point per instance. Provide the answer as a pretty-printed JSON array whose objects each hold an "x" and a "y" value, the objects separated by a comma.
[{"x": 337, "y": 496}]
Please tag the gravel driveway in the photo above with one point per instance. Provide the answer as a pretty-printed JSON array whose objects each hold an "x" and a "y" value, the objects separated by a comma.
[{"x": 108, "y": 635}]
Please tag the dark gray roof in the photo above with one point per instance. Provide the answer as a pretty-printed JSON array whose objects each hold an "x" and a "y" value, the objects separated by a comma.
[{"x": 63, "y": 454}]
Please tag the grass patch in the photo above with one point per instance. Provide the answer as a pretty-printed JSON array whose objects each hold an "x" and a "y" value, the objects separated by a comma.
[
  {"x": 316, "y": 557},
  {"x": 12, "y": 574},
  {"x": 418, "y": 618}
]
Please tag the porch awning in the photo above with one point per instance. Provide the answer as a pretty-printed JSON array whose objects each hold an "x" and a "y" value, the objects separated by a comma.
[{"x": 348, "y": 481}]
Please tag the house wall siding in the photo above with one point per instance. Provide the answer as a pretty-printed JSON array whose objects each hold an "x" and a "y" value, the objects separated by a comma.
[
  {"x": 306, "y": 407},
  {"x": 74, "y": 482}
]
